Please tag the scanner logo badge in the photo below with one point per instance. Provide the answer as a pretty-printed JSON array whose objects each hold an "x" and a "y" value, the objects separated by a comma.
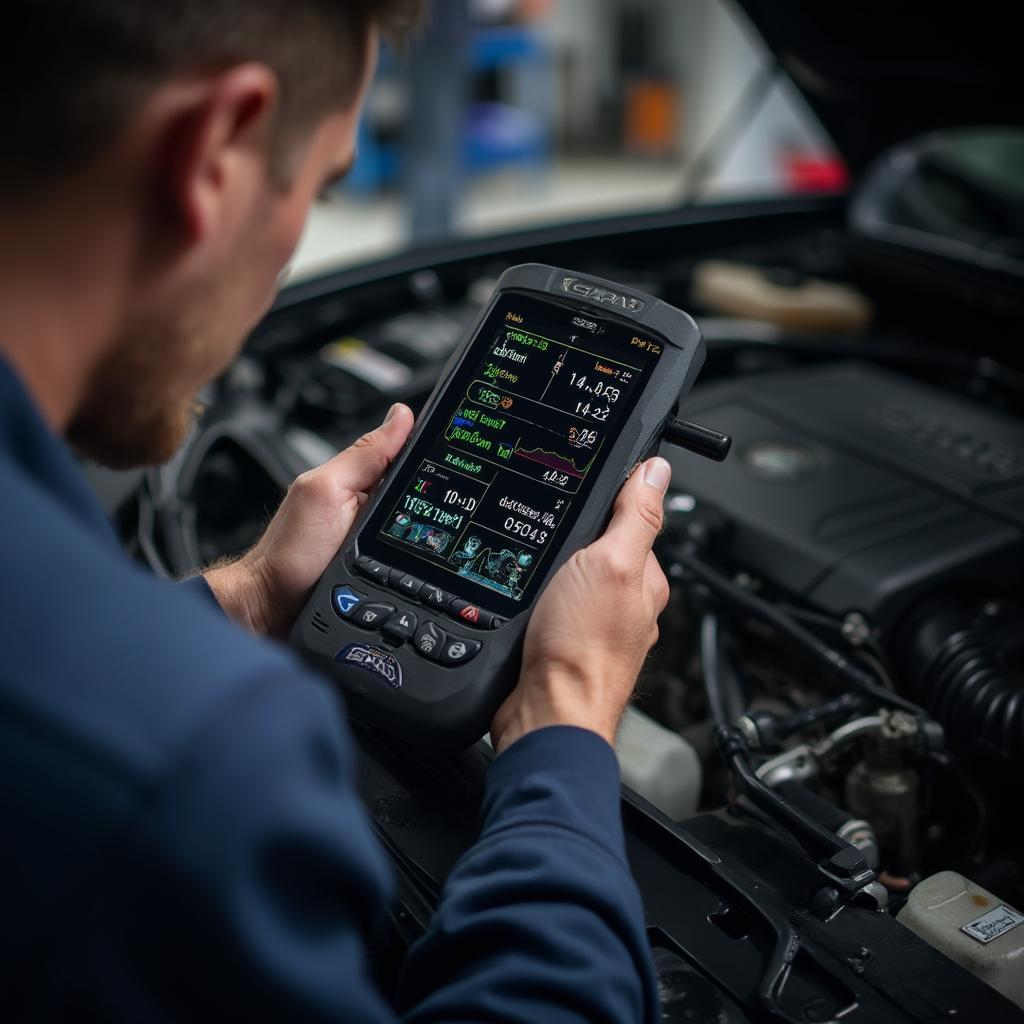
[
  {"x": 380, "y": 663},
  {"x": 576, "y": 286}
]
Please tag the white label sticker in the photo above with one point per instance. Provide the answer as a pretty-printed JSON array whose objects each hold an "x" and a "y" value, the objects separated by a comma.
[{"x": 993, "y": 924}]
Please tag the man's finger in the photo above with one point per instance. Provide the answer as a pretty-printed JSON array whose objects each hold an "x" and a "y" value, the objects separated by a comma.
[
  {"x": 360, "y": 466},
  {"x": 637, "y": 516},
  {"x": 655, "y": 582}
]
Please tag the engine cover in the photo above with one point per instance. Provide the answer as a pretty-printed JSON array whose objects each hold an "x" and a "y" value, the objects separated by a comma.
[{"x": 859, "y": 489}]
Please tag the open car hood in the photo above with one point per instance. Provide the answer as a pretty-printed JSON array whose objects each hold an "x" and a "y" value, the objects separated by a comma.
[{"x": 876, "y": 72}]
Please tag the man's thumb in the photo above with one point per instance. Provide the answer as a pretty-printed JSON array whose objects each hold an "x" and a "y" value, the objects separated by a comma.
[
  {"x": 638, "y": 513},
  {"x": 359, "y": 467}
]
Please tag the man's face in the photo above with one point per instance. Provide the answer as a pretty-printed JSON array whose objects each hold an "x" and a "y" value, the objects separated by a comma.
[{"x": 180, "y": 335}]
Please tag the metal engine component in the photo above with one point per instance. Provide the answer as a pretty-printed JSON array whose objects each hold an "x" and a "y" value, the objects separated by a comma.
[
  {"x": 805, "y": 761},
  {"x": 883, "y": 789}
]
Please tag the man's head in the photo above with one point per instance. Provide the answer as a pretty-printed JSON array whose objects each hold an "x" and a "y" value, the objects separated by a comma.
[{"x": 169, "y": 152}]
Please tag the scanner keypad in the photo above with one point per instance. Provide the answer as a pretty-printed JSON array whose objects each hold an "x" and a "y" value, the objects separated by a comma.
[
  {"x": 403, "y": 625},
  {"x": 407, "y": 584}
]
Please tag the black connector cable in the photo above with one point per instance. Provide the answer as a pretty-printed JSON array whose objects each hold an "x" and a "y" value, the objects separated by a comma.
[
  {"x": 831, "y": 660},
  {"x": 720, "y": 684}
]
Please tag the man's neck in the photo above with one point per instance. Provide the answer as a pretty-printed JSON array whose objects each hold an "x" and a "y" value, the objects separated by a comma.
[{"x": 58, "y": 305}]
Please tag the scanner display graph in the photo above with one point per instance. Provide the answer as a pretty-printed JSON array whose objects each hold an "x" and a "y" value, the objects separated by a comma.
[{"x": 554, "y": 461}]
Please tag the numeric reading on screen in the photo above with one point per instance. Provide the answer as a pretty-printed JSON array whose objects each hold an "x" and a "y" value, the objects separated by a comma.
[{"x": 516, "y": 444}]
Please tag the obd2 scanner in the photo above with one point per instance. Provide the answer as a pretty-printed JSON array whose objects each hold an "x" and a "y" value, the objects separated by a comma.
[{"x": 563, "y": 386}]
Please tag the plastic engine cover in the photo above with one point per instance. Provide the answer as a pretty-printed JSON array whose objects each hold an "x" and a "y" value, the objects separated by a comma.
[{"x": 859, "y": 489}]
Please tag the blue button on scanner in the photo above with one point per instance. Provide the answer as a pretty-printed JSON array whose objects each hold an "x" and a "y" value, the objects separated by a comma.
[{"x": 345, "y": 600}]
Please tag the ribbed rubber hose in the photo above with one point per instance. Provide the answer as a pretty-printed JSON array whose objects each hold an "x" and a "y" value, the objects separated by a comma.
[{"x": 965, "y": 685}]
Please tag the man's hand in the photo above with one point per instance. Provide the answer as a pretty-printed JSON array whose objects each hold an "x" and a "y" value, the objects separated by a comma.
[
  {"x": 266, "y": 588},
  {"x": 594, "y": 624}
]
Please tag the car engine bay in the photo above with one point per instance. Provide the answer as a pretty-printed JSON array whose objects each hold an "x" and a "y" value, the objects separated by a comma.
[{"x": 842, "y": 654}]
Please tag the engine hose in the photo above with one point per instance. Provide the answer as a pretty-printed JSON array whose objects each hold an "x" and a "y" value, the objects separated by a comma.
[
  {"x": 963, "y": 679},
  {"x": 724, "y": 698},
  {"x": 831, "y": 660}
]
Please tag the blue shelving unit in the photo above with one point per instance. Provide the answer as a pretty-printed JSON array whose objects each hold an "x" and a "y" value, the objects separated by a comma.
[{"x": 495, "y": 135}]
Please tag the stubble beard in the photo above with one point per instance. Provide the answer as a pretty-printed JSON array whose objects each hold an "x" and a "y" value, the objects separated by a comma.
[
  {"x": 141, "y": 403},
  {"x": 142, "y": 400}
]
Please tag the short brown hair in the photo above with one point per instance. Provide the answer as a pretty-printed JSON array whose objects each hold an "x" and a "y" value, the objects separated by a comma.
[{"x": 73, "y": 71}]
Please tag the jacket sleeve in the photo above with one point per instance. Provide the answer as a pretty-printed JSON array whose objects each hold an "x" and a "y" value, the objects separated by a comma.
[
  {"x": 251, "y": 887},
  {"x": 198, "y": 585},
  {"x": 540, "y": 920}
]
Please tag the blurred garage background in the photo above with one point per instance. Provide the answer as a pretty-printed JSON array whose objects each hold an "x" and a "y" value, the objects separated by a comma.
[{"x": 511, "y": 113}]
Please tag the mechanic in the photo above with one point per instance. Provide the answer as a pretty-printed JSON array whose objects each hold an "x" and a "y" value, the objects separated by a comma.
[{"x": 181, "y": 832}]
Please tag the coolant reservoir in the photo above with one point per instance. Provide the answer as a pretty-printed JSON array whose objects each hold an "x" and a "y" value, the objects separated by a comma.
[
  {"x": 972, "y": 927},
  {"x": 659, "y": 764}
]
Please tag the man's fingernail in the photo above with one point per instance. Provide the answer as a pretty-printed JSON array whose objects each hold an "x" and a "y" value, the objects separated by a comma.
[
  {"x": 391, "y": 413},
  {"x": 657, "y": 474}
]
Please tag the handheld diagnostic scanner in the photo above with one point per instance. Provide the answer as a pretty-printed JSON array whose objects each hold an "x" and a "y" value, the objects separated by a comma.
[{"x": 564, "y": 384}]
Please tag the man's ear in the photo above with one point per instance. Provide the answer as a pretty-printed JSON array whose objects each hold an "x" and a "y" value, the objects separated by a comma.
[{"x": 216, "y": 146}]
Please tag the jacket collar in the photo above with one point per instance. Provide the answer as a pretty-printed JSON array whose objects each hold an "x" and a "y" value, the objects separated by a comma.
[{"x": 29, "y": 446}]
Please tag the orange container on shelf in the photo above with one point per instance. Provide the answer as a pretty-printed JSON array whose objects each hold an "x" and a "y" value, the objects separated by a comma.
[{"x": 651, "y": 117}]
